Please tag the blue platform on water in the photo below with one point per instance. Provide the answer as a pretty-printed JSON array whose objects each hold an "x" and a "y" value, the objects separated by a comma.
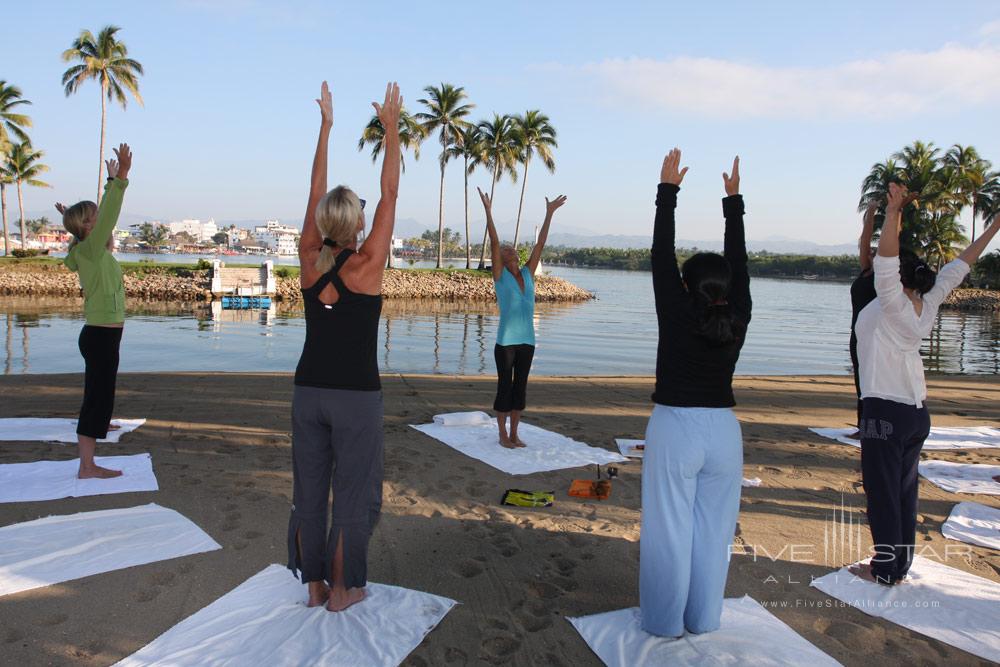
[{"x": 246, "y": 302}]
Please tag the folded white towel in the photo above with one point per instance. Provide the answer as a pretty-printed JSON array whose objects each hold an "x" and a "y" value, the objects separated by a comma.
[
  {"x": 462, "y": 418},
  {"x": 975, "y": 524}
]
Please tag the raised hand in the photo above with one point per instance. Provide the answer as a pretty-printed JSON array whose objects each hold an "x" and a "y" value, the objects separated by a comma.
[
  {"x": 325, "y": 103},
  {"x": 112, "y": 166},
  {"x": 669, "y": 171},
  {"x": 551, "y": 206},
  {"x": 732, "y": 180},
  {"x": 388, "y": 112},
  {"x": 124, "y": 164},
  {"x": 61, "y": 208},
  {"x": 487, "y": 204},
  {"x": 869, "y": 220},
  {"x": 899, "y": 197}
]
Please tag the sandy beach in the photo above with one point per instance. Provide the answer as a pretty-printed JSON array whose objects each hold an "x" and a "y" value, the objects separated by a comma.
[{"x": 221, "y": 450}]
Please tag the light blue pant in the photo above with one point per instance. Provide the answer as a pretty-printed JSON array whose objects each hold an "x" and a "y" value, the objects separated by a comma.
[{"x": 691, "y": 474}]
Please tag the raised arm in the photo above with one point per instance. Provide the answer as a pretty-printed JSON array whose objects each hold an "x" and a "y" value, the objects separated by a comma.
[
  {"x": 375, "y": 249},
  {"x": 536, "y": 252},
  {"x": 667, "y": 283},
  {"x": 311, "y": 240},
  {"x": 895, "y": 304},
  {"x": 495, "y": 262},
  {"x": 734, "y": 246},
  {"x": 111, "y": 203},
  {"x": 865, "y": 240},
  {"x": 971, "y": 254}
]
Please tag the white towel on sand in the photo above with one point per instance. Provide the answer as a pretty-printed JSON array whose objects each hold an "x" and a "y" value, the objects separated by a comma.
[
  {"x": 941, "y": 437},
  {"x": 750, "y": 635},
  {"x": 462, "y": 419},
  {"x": 942, "y": 602},
  {"x": 36, "y": 429},
  {"x": 265, "y": 621},
  {"x": 49, "y": 480},
  {"x": 962, "y": 477},
  {"x": 628, "y": 448},
  {"x": 545, "y": 450},
  {"x": 974, "y": 524},
  {"x": 62, "y": 548}
]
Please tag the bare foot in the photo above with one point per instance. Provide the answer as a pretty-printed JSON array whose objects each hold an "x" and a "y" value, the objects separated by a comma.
[
  {"x": 507, "y": 442},
  {"x": 996, "y": 478},
  {"x": 855, "y": 436},
  {"x": 864, "y": 571},
  {"x": 516, "y": 440},
  {"x": 114, "y": 427},
  {"x": 319, "y": 592},
  {"x": 341, "y": 600},
  {"x": 97, "y": 472}
]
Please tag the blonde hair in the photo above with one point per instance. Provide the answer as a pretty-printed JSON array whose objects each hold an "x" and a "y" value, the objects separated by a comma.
[
  {"x": 75, "y": 216},
  {"x": 337, "y": 216}
]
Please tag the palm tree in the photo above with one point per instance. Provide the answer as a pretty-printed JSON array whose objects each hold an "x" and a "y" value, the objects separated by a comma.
[
  {"x": 104, "y": 59},
  {"x": 5, "y": 180},
  {"x": 411, "y": 135},
  {"x": 12, "y": 123},
  {"x": 942, "y": 239},
  {"x": 500, "y": 154},
  {"x": 974, "y": 178},
  {"x": 445, "y": 114},
  {"x": 468, "y": 149},
  {"x": 24, "y": 166},
  {"x": 535, "y": 136}
]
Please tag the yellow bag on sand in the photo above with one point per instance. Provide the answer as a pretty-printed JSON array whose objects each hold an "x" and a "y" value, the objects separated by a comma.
[{"x": 519, "y": 498}]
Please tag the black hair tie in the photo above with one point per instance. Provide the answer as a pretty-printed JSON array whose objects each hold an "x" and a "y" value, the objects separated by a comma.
[{"x": 329, "y": 243}]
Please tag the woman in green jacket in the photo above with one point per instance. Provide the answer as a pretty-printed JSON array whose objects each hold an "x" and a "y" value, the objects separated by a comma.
[{"x": 103, "y": 306}]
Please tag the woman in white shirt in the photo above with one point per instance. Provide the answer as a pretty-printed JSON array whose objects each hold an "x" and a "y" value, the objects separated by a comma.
[{"x": 894, "y": 421}]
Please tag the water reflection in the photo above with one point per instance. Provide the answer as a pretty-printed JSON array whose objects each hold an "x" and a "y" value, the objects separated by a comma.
[{"x": 797, "y": 329}]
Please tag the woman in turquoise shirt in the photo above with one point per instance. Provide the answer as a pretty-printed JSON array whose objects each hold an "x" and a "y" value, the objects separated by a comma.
[{"x": 515, "y": 347}]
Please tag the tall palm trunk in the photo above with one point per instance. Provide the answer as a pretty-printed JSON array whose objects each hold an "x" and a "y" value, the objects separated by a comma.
[
  {"x": 974, "y": 213},
  {"x": 441, "y": 218},
  {"x": 104, "y": 120},
  {"x": 524, "y": 184},
  {"x": 20, "y": 206},
  {"x": 486, "y": 230},
  {"x": 3, "y": 205},
  {"x": 468, "y": 247}
]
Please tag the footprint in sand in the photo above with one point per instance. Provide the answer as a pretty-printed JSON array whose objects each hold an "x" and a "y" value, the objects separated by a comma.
[
  {"x": 55, "y": 619},
  {"x": 545, "y": 590},
  {"x": 501, "y": 647},
  {"x": 146, "y": 594},
  {"x": 12, "y": 635},
  {"x": 252, "y": 535},
  {"x": 468, "y": 569},
  {"x": 452, "y": 654},
  {"x": 162, "y": 578}
]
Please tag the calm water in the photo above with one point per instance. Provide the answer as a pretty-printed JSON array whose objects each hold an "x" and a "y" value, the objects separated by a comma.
[{"x": 799, "y": 327}]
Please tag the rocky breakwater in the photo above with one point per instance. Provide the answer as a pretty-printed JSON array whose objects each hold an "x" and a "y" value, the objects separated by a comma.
[
  {"x": 973, "y": 299},
  {"x": 449, "y": 286},
  {"x": 151, "y": 283},
  {"x": 148, "y": 284}
]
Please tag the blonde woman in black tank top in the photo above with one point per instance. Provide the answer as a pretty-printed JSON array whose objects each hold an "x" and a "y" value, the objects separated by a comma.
[{"x": 337, "y": 404}]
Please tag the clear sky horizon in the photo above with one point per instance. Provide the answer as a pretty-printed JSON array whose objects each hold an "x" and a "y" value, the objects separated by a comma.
[{"x": 809, "y": 96}]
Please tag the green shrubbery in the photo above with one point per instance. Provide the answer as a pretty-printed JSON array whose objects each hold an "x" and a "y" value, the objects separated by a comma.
[{"x": 23, "y": 253}]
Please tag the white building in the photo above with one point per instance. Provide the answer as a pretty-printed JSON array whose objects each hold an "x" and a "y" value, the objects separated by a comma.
[
  {"x": 200, "y": 231},
  {"x": 278, "y": 238}
]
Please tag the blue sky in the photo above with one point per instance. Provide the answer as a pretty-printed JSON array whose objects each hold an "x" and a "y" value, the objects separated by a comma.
[{"x": 809, "y": 95}]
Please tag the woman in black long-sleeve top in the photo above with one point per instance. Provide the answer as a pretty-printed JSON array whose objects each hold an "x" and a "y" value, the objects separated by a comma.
[{"x": 694, "y": 448}]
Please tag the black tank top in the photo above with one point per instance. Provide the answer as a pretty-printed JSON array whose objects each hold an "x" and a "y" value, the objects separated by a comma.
[{"x": 341, "y": 338}]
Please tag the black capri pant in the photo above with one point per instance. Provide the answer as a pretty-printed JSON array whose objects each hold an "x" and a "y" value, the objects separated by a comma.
[
  {"x": 513, "y": 366},
  {"x": 99, "y": 347}
]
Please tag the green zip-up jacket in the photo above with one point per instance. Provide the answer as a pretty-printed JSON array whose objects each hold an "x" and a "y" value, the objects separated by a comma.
[{"x": 100, "y": 273}]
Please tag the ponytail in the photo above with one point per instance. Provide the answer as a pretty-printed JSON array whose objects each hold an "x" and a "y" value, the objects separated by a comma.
[{"x": 707, "y": 276}]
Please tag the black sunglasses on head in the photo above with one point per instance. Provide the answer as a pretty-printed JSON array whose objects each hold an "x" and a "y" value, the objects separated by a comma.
[{"x": 362, "y": 203}]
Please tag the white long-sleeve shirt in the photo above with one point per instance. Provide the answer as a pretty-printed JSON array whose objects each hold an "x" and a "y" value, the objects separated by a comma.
[{"x": 889, "y": 333}]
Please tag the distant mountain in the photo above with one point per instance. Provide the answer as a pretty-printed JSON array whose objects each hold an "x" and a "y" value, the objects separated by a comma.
[{"x": 775, "y": 244}]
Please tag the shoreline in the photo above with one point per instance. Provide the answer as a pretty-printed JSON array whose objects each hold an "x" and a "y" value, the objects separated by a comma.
[{"x": 221, "y": 451}]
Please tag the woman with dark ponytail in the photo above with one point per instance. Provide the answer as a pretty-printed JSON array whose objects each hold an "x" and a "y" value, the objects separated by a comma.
[
  {"x": 894, "y": 420},
  {"x": 694, "y": 448}
]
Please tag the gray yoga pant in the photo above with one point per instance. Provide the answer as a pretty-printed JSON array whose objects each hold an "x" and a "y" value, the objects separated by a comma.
[{"x": 336, "y": 445}]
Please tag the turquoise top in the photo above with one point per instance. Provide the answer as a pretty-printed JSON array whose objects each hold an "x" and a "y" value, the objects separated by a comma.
[{"x": 517, "y": 309}]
